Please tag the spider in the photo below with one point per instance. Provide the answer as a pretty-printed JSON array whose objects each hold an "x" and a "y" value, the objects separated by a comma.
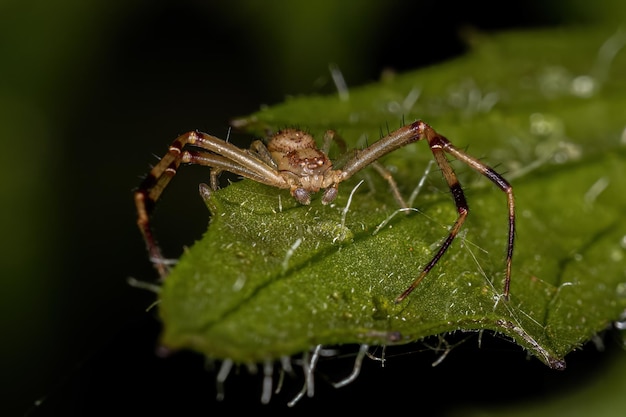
[{"x": 290, "y": 159}]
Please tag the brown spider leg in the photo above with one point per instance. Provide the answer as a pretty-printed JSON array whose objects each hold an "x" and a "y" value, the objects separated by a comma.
[
  {"x": 241, "y": 157},
  {"x": 397, "y": 139},
  {"x": 162, "y": 173},
  {"x": 259, "y": 149},
  {"x": 395, "y": 190},
  {"x": 504, "y": 185},
  {"x": 438, "y": 145},
  {"x": 214, "y": 181},
  {"x": 219, "y": 163},
  {"x": 462, "y": 208},
  {"x": 331, "y": 136},
  {"x": 148, "y": 193}
]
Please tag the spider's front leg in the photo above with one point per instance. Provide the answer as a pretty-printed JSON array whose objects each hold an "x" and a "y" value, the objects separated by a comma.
[
  {"x": 200, "y": 149},
  {"x": 149, "y": 192},
  {"x": 493, "y": 176},
  {"x": 439, "y": 146}
]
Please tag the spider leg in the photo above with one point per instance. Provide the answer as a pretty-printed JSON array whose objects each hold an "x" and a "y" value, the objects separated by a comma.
[
  {"x": 462, "y": 208},
  {"x": 331, "y": 136},
  {"x": 241, "y": 157},
  {"x": 439, "y": 145},
  {"x": 395, "y": 140},
  {"x": 387, "y": 176},
  {"x": 148, "y": 193},
  {"x": 503, "y": 185},
  {"x": 214, "y": 182},
  {"x": 260, "y": 150},
  {"x": 219, "y": 164},
  {"x": 257, "y": 150},
  {"x": 217, "y": 154}
]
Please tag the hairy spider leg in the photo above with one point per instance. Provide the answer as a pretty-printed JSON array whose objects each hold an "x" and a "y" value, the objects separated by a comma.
[
  {"x": 462, "y": 209},
  {"x": 503, "y": 185},
  {"x": 148, "y": 193},
  {"x": 331, "y": 135},
  {"x": 439, "y": 146},
  {"x": 395, "y": 190},
  {"x": 218, "y": 154}
]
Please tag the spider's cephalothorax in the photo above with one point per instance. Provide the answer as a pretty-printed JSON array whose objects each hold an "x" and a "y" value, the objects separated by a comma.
[
  {"x": 304, "y": 167},
  {"x": 291, "y": 160}
]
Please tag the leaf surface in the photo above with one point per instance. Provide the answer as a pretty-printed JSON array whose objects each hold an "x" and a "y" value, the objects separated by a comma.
[{"x": 271, "y": 278}]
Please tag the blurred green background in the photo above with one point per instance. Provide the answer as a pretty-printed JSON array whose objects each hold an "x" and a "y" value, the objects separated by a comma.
[{"x": 90, "y": 91}]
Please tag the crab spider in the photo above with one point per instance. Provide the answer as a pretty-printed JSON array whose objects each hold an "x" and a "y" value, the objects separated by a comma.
[{"x": 290, "y": 159}]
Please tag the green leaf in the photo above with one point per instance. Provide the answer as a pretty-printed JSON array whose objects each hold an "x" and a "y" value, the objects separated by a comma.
[{"x": 271, "y": 278}]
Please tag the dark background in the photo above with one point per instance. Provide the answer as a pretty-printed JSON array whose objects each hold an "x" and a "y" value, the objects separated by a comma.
[{"x": 91, "y": 91}]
